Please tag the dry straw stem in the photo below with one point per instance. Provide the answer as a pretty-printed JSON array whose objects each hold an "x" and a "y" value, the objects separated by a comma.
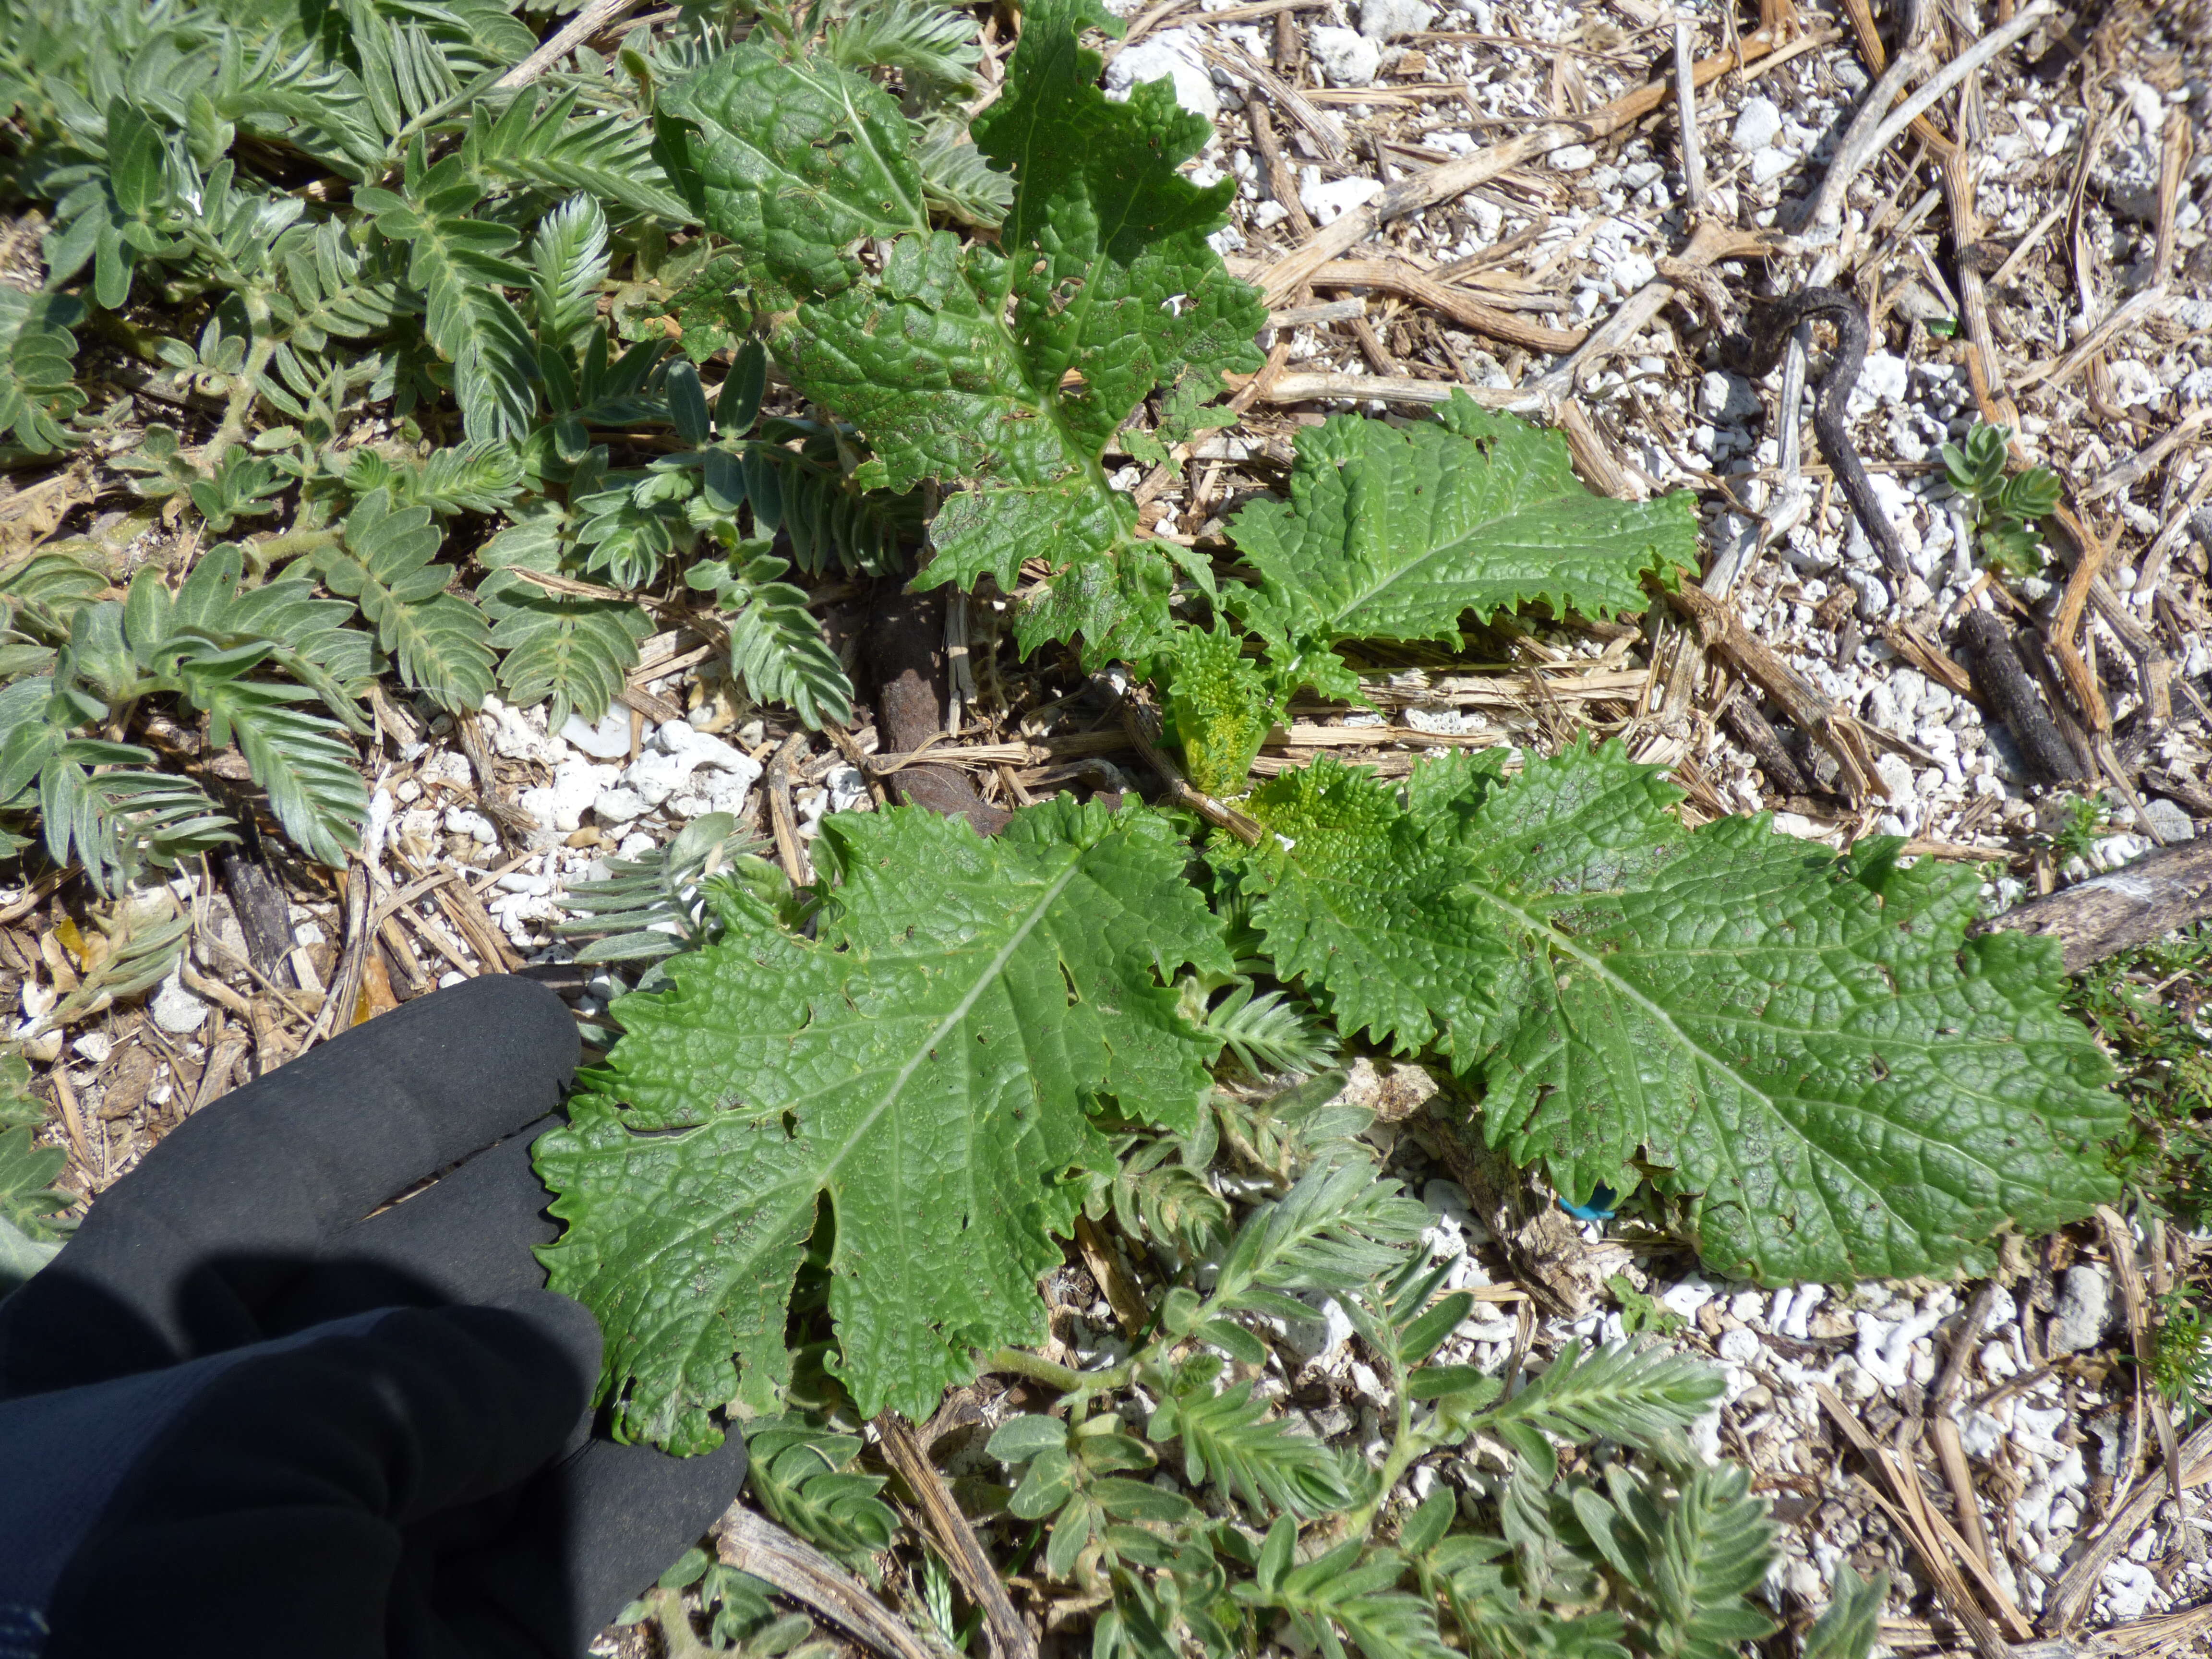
[
  {"x": 2069, "y": 1597},
  {"x": 1396, "y": 276},
  {"x": 752, "y": 1543},
  {"x": 1686, "y": 101},
  {"x": 1441, "y": 184},
  {"x": 955, "y": 1539},
  {"x": 573, "y": 33},
  {"x": 1935, "y": 1541},
  {"x": 1719, "y": 629}
]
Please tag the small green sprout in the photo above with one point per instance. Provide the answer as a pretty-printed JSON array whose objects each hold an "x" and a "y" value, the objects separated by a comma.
[{"x": 2004, "y": 509}]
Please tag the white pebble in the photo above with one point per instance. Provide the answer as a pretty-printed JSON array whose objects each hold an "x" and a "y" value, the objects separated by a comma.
[
  {"x": 608, "y": 740},
  {"x": 176, "y": 1010},
  {"x": 1758, "y": 124}
]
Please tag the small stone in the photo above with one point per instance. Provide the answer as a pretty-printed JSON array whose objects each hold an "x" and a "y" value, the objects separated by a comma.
[
  {"x": 608, "y": 740},
  {"x": 1320, "y": 1336},
  {"x": 2171, "y": 820},
  {"x": 1758, "y": 125},
  {"x": 1393, "y": 20},
  {"x": 1347, "y": 57},
  {"x": 1170, "y": 55},
  {"x": 1449, "y": 1200},
  {"x": 1333, "y": 200},
  {"x": 2129, "y": 1588},
  {"x": 1437, "y": 722},
  {"x": 467, "y": 821},
  {"x": 1770, "y": 164},
  {"x": 2134, "y": 383},
  {"x": 703, "y": 748},
  {"x": 2085, "y": 1300},
  {"x": 1739, "y": 1347},
  {"x": 655, "y": 776},
  {"x": 176, "y": 1010},
  {"x": 1573, "y": 158},
  {"x": 576, "y": 785},
  {"x": 94, "y": 1046},
  {"x": 615, "y": 807},
  {"x": 1884, "y": 378}
]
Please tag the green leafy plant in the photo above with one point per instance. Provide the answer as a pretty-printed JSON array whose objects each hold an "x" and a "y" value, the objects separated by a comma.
[
  {"x": 2004, "y": 509},
  {"x": 2181, "y": 1352},
  {"x": 1009, "y": 365},
  {"x": 969, "y": 996},
  {"x": 2148, "y": 1008},
  {"x": 333, "y": 336},
  {"x": 1637, "y": 999}
]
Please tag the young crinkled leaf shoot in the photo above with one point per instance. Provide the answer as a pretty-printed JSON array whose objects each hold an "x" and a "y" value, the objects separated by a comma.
[
  {"x": 1808, "y": 1055},
  {"x": 925, "y": 1063},
  {"x": 1396, "y": 533},
  {"x": 1005, "y": 368}
]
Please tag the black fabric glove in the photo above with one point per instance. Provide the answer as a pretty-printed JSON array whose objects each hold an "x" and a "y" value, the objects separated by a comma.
[{"x": 238, "y": 1417}]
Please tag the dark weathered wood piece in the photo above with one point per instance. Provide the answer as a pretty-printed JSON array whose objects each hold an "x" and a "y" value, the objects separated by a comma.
[
  {"x": 906, "y": 645},
  {"x": 1752, "y": 730},
  {"x": 2007, "y": 691},
  {"x": 2160, "y": 891},
  {"x": 257, "y": 898}
]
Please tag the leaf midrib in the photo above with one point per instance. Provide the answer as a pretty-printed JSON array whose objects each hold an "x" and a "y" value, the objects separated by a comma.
[
  {"x": 807, "y": 1182},
  {"x": 1566, "y": 945}
]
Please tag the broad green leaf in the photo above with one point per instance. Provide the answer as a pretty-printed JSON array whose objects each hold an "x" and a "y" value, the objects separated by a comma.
[
  {"x": 924, "y": 1064},
  {"x": 1365, "y": 905},
  {"x": 1007, "y": 369},
  {"x": 1398, "y": 532},
  {"x": 794, "y": 161},
  {"x": 1808, "y": 1056},
  {"x": 1221, "y": 706}
]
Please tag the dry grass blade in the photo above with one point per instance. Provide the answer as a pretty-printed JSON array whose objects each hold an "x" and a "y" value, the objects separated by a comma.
[
  {"x": 1441, "y": 184},
  {"x": 2069, "y": 1600},
  {"x": 752, "y": 1543},
  {"x": 956, "y": 1539}
]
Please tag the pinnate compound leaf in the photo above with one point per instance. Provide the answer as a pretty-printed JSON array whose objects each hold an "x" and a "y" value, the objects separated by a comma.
[
  {"x": 1396, "y": 532},
  {"x": 38, "y": 387},
  {"x": 385, "y": 565},
  {"x": 577, "y": 652},
  {"x": 1852, "y": 1624},
  {"x": 1809, "y": 1056},
  {"x": 924, "y": 1064},
  {"x": 1007, "y": 368},
  {"x": 1691, "y": 1558}
]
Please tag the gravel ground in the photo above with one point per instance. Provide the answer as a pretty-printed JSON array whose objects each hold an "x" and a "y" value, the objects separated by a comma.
[{"x": 2091, "y": 176}]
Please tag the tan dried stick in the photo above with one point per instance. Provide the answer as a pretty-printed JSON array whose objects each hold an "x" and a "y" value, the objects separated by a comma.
[
  {"x": 573, "y": 33},
  {"x": 752, "y": 1543},
  {"x": 1685, "y": 104},
  {"x": 955, "y": 1539},
  {"x": 1441, "y": 184}
]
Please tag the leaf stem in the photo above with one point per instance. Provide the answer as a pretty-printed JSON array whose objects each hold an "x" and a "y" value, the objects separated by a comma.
[
  {"x": 1062, "y": 1377},
  {"x": 248, "y": 383},
  {"x": 274, "y": 549}
]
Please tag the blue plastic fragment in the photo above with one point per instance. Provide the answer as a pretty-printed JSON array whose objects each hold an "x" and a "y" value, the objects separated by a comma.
[{"x": 1600, "y": 1208}]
